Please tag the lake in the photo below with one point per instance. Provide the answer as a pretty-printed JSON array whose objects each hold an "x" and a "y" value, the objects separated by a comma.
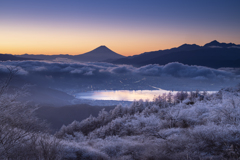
[{"x": 123, "y": 95}]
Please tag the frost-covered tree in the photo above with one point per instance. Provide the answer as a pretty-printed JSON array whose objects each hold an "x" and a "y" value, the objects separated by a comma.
[
  {"x": 21, "y": 132},
  {"x": 208, "y": 128}
]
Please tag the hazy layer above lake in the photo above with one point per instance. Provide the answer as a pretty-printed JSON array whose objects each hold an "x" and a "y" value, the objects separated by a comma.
[{"x": 123, "y": 95}]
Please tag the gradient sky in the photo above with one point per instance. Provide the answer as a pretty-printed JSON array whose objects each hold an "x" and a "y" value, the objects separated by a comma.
[{"x": 127, "y": 27}]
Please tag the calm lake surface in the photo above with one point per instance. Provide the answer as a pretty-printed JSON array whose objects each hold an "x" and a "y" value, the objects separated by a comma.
[{"x": 123, "y": 95}]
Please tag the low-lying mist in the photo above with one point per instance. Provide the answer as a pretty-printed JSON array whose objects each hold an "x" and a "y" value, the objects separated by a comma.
[{"x": 74, "y": 77}]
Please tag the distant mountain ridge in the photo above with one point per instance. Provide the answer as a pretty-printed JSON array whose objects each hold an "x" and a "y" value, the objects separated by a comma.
[
  {"x": 101, "y": 53},
  {"x": 6, "y": 57},
  {"x": 213, "y": 54},
  {"x": 215, "y": 43}
]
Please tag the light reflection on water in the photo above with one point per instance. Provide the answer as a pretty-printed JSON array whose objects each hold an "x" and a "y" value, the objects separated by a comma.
[{"x": 122, "y": 95}]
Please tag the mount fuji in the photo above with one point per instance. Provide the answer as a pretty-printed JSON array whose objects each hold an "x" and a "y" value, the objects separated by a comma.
[{"x": 101, "y": 53}]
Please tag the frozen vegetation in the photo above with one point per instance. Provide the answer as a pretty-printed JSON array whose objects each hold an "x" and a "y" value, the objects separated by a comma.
[{"x": 182, "y": 126}]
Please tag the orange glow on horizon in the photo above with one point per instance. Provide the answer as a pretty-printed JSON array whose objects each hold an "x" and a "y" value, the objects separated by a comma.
[
  {"x": 126, "y": 27},
  {"x": 62, "y": 39}
]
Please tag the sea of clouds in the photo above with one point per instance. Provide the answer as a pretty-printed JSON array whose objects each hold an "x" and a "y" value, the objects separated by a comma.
[
  {"x": 95, "y": 69},
  {"x": 71, "y": 76}
]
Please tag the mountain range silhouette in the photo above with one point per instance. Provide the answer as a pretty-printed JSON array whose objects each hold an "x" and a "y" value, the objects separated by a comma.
[
  {"x": 6, "y": 57},
  {"x": 213, "y": 54}
]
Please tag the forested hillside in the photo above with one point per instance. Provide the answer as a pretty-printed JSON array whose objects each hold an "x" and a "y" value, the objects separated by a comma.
[{"x": 183, "y": 126}]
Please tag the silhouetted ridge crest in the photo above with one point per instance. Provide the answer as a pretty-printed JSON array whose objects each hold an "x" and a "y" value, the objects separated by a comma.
[
  {"x": 218, "y": 44},
  {"x": 6, "y": 57},
  {"x": 213, "y": 54},
  {"x": 188, "y": 47}
]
